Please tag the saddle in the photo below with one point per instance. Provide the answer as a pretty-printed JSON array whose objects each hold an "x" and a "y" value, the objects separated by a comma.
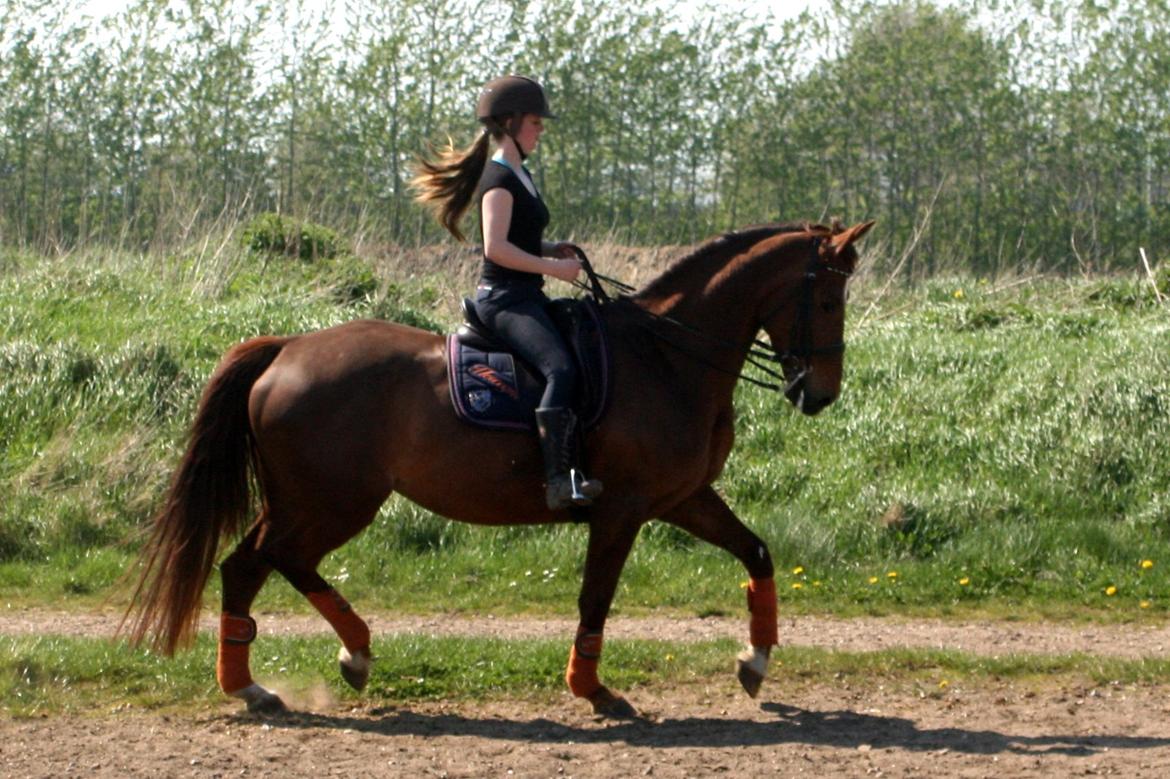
[{"x": 493, "y": 388}]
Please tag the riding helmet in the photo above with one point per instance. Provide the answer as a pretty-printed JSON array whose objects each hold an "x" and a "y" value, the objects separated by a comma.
[{"x": 510, "y": 95}]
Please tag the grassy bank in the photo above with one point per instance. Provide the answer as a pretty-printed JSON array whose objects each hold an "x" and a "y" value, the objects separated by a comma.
[{"x": 996, "y": 448}]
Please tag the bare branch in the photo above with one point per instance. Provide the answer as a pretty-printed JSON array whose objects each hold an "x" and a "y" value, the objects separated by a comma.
[
  {"x": 1150, "y": 275},
  {"x": 919, "y": 230}
]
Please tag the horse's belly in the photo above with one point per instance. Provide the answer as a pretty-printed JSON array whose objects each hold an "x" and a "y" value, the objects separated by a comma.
[{"x": 464, "y": 472}]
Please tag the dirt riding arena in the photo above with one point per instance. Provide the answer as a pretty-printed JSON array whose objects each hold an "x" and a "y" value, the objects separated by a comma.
[{"x": 995, "y": 729}]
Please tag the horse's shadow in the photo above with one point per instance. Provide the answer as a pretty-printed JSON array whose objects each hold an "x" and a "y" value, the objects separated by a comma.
[{"x": 791, "y": 725}]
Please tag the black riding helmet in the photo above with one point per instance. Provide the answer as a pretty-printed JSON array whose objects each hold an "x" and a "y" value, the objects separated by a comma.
[{"x": 511, "y": 95}]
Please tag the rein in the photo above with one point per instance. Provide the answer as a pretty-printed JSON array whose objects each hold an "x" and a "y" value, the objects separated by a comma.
[
  {"x": 594, "y": 286},
  {"x": 759, "y": 352}
]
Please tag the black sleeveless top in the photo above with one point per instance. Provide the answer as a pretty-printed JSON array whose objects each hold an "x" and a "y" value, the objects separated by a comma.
[{"x": 529, "y": 218}]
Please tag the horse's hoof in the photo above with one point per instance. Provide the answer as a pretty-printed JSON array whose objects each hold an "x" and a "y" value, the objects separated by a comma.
[
  {"x": 267, "y": 705},
  {"x": 355, "y": 668},
  {"x": 606, "y": 704},
  {"x": 751, "y": 665},
  {"x": 260, "y": 700}
]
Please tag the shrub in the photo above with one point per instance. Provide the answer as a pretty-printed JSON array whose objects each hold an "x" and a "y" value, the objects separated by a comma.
[
  {"x": 271, "y": 233},
  {"x": 265, "y": 233},
  {"x": 315, "y": 241},
  {"x": 351, "y": 280}
]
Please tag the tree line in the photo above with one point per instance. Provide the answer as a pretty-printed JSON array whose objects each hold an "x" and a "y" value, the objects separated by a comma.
[{"x": 985, "y": 135}]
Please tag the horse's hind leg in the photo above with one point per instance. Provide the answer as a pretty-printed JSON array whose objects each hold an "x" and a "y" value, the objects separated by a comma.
[
  {"x": 296, "y": 558},
  {"x": 243, "y": 573},
  {"x": 354, "y": 656},
  {"x": 706, "y": 516}
]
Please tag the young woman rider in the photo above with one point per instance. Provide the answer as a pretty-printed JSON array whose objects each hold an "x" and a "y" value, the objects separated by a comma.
[{"x": 510, "y": 297}]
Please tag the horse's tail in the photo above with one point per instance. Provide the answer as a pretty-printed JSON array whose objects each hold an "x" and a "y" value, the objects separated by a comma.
[{"x": 209, "y": 498}]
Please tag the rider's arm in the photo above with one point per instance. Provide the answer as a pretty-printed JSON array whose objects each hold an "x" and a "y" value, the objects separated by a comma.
[{"x": 497, "y": 216}]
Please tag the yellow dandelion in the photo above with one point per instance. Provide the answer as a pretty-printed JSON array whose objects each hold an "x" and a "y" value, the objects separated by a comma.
[
  {"x": 944, "y": 684},
  {"x": 892, "y": 575},
  {"x": 1147, "y": 565},
  {"x": 958, "y": 294},
  {"x": 964, "y": 581},
  {"x": 1110, "y": 590},
  {"x": 873, "y": 580},
  {"x": 816, "y": 584},
  {"x": 1144, "y": 604},
  {"x": 669, "y": 658},
  {"x": 797, "y": 586},
  {"x": 743, "y": 585},
  {"x": 798, "y": 570}
]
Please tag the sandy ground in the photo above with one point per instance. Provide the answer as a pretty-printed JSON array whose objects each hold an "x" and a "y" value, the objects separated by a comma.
[
  {"x": 861, "y": 634},
  {"x": 994, "y": 729}
]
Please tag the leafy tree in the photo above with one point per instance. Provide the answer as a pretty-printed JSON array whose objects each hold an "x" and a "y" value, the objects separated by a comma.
[{"x": 988, "y": 135}]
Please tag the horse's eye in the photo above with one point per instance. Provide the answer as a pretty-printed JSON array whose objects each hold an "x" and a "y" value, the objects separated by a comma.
[{"x": 830, "y": 305}]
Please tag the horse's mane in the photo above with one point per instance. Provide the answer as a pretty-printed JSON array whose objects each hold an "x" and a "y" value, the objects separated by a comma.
[{"x": 723, "y": 247}]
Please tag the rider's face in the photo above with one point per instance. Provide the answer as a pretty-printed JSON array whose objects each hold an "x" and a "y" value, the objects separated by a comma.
[{"x": 531, "y": 128}]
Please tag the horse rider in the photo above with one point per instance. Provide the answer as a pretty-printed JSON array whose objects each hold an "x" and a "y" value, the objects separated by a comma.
[{"x": 510, "y": 297}]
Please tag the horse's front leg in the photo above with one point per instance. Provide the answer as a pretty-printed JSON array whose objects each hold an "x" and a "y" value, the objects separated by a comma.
[
  {"x": 610, "y": 540},
  {"x": 706, "y": 516}
]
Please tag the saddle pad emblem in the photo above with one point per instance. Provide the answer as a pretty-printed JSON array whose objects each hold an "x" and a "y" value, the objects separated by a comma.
[
  {"x": 487, "y": 374},
  {"x": 479, "y": 400}
]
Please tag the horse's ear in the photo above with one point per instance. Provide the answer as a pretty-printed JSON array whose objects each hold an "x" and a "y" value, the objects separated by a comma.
[{"x": 852, "y": 235}]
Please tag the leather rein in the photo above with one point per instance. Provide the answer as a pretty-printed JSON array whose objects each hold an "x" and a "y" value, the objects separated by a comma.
[{"x": 760, "y": 354}]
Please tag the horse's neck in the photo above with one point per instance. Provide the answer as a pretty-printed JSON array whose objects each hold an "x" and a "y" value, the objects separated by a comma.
[
  {"x": 717, "y": 308},
  {"x": 719, "y": 287},
  {"x": 720, "y": 300}
]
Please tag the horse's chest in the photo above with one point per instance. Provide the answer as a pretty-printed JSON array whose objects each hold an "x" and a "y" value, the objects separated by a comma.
[
  {"x": 697, "y": 458},
  {"x": 719, "y": 446}
]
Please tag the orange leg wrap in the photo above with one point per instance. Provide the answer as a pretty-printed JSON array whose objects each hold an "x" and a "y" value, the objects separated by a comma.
[
  {"x": 352, "y": 630},
  {"x": 761, "y": 598},
  {"x": 581, "y": 675},
  {"x": 231, "y": 664}
]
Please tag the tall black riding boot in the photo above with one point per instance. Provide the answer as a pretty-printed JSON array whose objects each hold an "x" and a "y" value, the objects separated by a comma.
[{"x": 565, "y": 486}]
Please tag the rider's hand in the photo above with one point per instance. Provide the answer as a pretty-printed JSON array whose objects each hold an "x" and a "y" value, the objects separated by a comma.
[
  {"x": 565, "y": 270},
  {"x": 563, "y": 250}
]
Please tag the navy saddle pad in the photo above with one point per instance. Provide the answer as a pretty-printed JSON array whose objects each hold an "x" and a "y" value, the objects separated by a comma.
[{"x": 495, "y": 389}]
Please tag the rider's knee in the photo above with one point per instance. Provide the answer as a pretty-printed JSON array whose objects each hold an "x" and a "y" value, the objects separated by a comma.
[{"x": 563, "y": 373}]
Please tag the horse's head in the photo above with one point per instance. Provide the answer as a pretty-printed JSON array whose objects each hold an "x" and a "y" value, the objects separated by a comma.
[{"x": 805, "y": 315}]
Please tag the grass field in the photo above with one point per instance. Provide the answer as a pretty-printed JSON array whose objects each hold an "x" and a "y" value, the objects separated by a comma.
[{"x": 998, "y": 448}]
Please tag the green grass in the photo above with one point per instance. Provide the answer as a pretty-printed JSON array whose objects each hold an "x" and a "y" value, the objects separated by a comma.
[
  {"x": 51, "y": 675},
  {"x": 1015, "y": 444},
  {"x": 1003, "y": 451}
]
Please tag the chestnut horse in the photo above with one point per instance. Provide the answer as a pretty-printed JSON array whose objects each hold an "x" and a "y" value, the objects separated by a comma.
[{"x": 330, "y": 423}]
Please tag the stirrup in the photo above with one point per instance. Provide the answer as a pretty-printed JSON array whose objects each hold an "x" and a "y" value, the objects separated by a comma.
[
  {"x": 571, "y": 489},
  {"x": 583, "y": 489},
  {"x": 576, "y": 496}
]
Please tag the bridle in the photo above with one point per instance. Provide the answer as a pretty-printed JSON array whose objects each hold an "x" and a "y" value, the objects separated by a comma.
[
  {"x": 793, "y": 361},
  {"x": 800, "y": 346}
]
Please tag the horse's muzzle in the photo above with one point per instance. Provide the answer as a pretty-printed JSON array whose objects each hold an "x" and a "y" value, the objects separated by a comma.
[{"x": 809, "y": 403}]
